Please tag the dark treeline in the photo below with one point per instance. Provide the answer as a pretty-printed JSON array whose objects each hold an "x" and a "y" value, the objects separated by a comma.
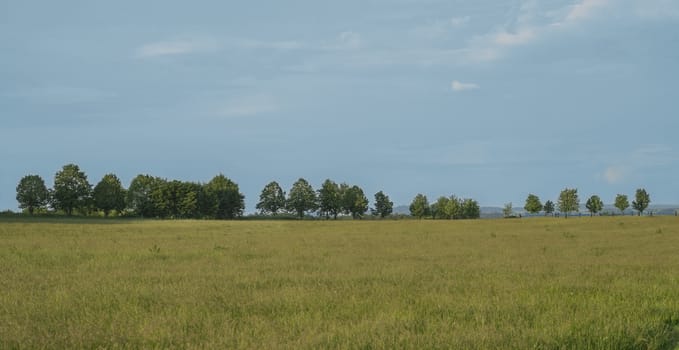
[
  {"x": 147, "y": 196},
  {"x": 220, "y": 198}
]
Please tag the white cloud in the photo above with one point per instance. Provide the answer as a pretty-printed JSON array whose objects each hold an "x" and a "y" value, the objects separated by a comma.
[
  {"x": 521, "y": 37},
  {"x": 176, "y": 47},
  {"x": 636, "y": 162},
  {"x": 458, "y": 86},
  {"x": 614, "y": 174},
  {"x": 345, "y": 41},
  {"x": 584, "y": 9},
  {"x": 249, "y": 105}
]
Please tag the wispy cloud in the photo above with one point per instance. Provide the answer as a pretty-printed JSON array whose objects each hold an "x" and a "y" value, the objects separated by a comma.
[
  {"x": 640, "y": 159},
  {"x": 440, "y": 28},
  {"x": 274, "y": 45},
  {"x": 176, "y": 47},
  {"x": 584, "y": 9},
  {"x": 614, "y": 174},
  {"x": 459, "y": 86},
  {"x": 345, "y": 41}
]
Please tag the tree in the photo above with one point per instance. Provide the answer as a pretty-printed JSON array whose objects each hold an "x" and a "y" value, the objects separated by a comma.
[
  {"x": 594, "y": 205},
  {"x": 453, "y": 208},
  {"x": 355, "y": 202},
  {"x": 439, "y": 209},
  {"x": 507, "y": 211},
  {"x": 109, "y": 194},
  {"x": 71, "y": 189},
  {"x": 533, "y": 204},
  {"x": 641, "y": 201},
  {"x": 329, "y": 199},
  {"x": 141, "y": 195},
  {"x": 470, "y": 209},
  {"x": 383, "y": 206},
  {"x": 419, "y": 207},
  {"x": 301, "y": 198},
  {"x": 549, "y": 207},
  {"x": 227, "y": 201},
  {"x": 622, "y": 203},
  {"x": 569, "y": 201},
  {"x": 32, "y": 193},
  {"x": 272, "y": 199}
]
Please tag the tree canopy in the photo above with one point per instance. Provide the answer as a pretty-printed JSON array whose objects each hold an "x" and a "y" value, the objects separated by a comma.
[
  {"x": 569, "y": 201},
  {"x": 71, "y": 190},
  {"x": 272, "y": 199},
  {"x": 32, "y": 193},
  {"x": 594, "y": 205},
  {"x": 622, "y": 203},
  {"x": 533, "y": 204},
  {"x": 109, "y": 194},
  {"x": 301, "y": 198},
  {"x": 641, "y": 201}
]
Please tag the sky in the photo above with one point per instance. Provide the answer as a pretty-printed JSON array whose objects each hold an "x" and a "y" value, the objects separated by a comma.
[{"x": 484, "y": 99}]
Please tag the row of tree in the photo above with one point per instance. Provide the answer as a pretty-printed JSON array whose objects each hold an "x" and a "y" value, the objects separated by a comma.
[
  {"x": 330, "y": 200},
  {"x": 445, "y": 208},
  {"x": 150, "y": 196},
  {"x": 147, "y": 196},
  {"x": 569, "y": 202}
]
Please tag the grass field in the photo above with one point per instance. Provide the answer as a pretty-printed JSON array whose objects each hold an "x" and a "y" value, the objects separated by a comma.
[{"x": 580, "y": 283}]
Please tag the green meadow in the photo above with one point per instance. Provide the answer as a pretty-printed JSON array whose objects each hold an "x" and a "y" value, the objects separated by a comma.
[{"x": 543, "y": 283}]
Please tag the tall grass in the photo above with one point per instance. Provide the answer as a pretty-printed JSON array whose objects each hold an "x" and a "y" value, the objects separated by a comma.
[{"x": 587, "y": 283}]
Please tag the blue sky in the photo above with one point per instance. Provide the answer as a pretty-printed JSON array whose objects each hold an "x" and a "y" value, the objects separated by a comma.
[{"x": 484, "y": 99}]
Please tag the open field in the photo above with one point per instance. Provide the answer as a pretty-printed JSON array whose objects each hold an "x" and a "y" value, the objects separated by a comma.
[{"x": 581, "y": 283}]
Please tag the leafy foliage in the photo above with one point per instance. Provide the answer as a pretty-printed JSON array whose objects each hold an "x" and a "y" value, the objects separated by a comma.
[
  {"x": 32, "y": 193},
  {"x": 329, "y": 199},
  {"x": 301, "y": 198},
  {"x": 548, "y": 207},
  {"x": 641, "y": 201},
  {"x": 594, "y": 205},
  {"x": 569, "y": 201},
  {"x": 354, "y": 202},
  {"x": 143, "y": 196},
  {"x": 71, "y": 190},
  {"x": 419, "y": 207},
  {"x": 383, "y": 206},
  {"x": 622, "y": 203},
  {"x": 272, "y": 199},
  {"x": 533, "y": 204},
  {"x": 224, "y": 194},
  {"x": 109, "y": 194}
]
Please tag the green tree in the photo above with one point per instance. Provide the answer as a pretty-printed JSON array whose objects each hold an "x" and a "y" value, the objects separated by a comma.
[
  {"x": 594, "y": 205},
  {"x": 453, "y": 208},
  {"x": 439, "y": 209},
  {"x": 419, "y": 207},
  {"x": 383, "y": 206},
  {"x": 507, "y": 211},
  {"x": 622, "y": 203},
  {"x": 470, "y": 209},
  {"x": 228, "y": 202},
  {"x": 109, "y": 194},
  {"x": 272, "y": 199},
  {"x": 32, "y": 193},
  {"x": 533, "y": 204},
  {"x": 71, "y": 189},
  {"x": 329, "y": 199},
  {"x": 140, "y": 195},
  {"x": 301, "y": 198},
  {"x": 569, "y": 201},
  {"x": 641, "y": 201},
  {"x": 548, "y": 208},
  {"x": 355, "y": 202}
]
